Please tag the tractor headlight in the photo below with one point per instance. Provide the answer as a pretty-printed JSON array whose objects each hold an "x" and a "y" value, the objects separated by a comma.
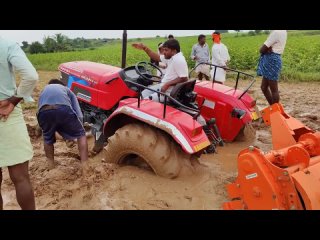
[{"x": 238, "y": 113}]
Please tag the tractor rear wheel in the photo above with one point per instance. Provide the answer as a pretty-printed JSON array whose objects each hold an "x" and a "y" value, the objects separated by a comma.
[
  {"x": 163, "y": 155},
  {"x": 247, "y": 134}
]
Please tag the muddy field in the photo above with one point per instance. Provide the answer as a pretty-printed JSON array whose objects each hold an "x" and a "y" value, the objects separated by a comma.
[{"x": 109, "y": 186}]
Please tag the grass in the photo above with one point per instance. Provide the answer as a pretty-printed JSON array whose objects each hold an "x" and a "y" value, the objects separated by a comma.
[{"x": 301, "y": 59}]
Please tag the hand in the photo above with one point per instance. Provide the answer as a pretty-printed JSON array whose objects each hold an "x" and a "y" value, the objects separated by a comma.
[
  {"x": 70, "y": 143},
  {"x": 164, "y": 88},
  {"x": 225, "y": 67},
  {"x": 162, "y": 65},
  {"x": 6, "y": 108},
  {"x": 139, "y": 46}
]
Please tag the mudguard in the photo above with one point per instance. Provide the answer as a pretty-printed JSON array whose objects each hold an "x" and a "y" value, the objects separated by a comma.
[{"x": 186, "y": 131}]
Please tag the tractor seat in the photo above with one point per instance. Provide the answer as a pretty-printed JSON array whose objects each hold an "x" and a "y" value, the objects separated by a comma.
[
  {"x": 182, "y": 88},
  {"x": 183, "y": 93}
]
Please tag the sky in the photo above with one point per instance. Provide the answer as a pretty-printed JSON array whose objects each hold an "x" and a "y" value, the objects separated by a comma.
[{"x": 38, "y": 35}]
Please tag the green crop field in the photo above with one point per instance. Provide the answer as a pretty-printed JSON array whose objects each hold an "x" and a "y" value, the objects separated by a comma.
[{"x": 301, "y": 59}]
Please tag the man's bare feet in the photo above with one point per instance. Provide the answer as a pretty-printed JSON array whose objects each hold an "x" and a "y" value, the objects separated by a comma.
[
  {"x": 85, "y": 167},
  {"x": 50, "y": 164}
]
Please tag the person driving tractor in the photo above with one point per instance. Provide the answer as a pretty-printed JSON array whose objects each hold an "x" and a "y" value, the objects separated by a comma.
[{"x": 176, "y": 72}]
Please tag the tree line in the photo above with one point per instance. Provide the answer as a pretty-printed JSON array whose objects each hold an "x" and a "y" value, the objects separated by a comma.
[{"x": 61, "y": 43}]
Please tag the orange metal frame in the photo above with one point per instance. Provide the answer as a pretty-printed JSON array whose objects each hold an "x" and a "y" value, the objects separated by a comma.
[{"x": 287, "y": 177}]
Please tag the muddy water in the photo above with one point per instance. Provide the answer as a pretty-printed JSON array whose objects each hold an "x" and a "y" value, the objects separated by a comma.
[
  {"x": 227, "y": 156},
  {"x": 112, "y": 187},
  {"x": 108, "y": 186},
  {"x": 128, "y": 187}
]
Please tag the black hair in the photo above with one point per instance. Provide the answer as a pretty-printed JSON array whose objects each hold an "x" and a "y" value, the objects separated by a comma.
[
  {"x": 159, "y": 44},
  {"x": 172, "y": 44},
  {"x": 201, "y": 36},
  {"x": 217, "y": 33},
  {"x": 56, "y": 81},
  {"x": 170, "y": 36}
]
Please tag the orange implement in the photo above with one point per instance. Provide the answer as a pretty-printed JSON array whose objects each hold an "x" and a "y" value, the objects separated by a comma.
[
  {"x": 287, "y": 177},
  {"x": 285, "y": 129}
]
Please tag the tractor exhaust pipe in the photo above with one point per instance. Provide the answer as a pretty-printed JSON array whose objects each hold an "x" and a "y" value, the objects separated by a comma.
[{"x": 124, "y": 49}]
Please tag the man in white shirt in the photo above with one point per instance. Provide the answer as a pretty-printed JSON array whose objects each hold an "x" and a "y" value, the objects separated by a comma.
[
  {"x": 220, "y": 57},
  {"x": 201, "y": 54},
  {"x": 176, "y": 72},
  {"x": 270, "y": 64}
]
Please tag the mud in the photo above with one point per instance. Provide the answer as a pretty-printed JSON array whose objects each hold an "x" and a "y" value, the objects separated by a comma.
[{"x": 108, "y": 186}]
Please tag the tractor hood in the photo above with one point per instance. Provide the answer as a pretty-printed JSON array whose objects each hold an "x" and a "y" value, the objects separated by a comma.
[{"x": 90, "y": 71}]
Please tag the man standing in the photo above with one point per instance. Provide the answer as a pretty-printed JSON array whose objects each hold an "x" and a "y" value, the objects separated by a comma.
[
  {"x": 201, "y": 54},
  {"x": 176, "y": 72},
  {"x": 15, "y": 146},
  {"x": 270, "y": 64},
  {"x": 161, "y": 65},
  {"x": 59, "y": 111},
  {"x": 220, "y": 57}
]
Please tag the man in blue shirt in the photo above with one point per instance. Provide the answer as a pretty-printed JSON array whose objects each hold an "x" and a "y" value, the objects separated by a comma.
[
  {"x": 59, "y": 111},
  {"x": 201, "y": 54}
]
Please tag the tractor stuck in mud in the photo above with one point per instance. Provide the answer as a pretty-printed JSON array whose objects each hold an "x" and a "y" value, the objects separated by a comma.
[{"x": 169, "y": 137}]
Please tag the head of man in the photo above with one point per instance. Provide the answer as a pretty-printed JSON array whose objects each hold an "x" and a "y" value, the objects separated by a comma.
[
  {"x": 216, "y": 37},
  {"x": 56, "y": 81},
  {"x": 170, "y": 37},
  {"x": 201, "y": 39},
  {"x": 171, "y": 48}
]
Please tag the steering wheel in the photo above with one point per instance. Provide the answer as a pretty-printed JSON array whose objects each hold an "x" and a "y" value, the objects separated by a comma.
[{"x": 144, "y": 69}]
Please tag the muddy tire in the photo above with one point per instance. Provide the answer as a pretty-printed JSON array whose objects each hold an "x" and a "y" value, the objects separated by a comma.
[
  {"x": 164, "y": 156},
  {"x": 247, "y": 134}
]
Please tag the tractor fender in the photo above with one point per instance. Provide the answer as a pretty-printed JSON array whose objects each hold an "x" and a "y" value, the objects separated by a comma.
[{"x": 125, "y": 115}]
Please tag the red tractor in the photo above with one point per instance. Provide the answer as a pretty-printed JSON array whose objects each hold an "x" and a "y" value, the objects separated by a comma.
[{"x": 165, "y": 135}]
